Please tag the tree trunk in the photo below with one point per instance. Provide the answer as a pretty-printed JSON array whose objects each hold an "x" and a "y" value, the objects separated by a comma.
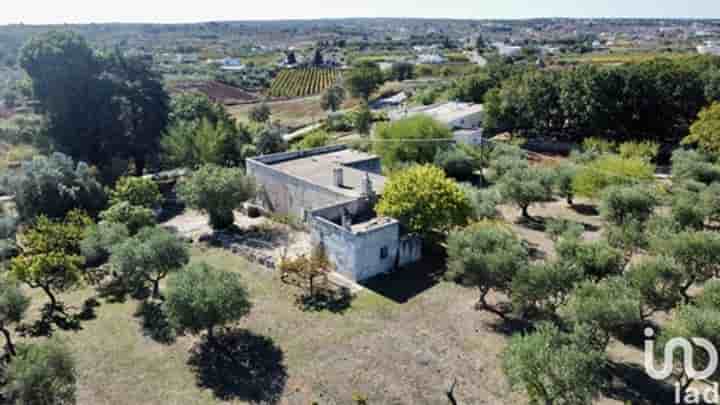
[
  {"x": 211, "y": 334},
  {"x": 8, "y": 341},
  {"x": 570, "y": 200},
  {"x": 53, "y": 300},
  {"x": 525, "y": 212},
  {"x": 156, "y": 289},
  {"x": 140, "y": 164}
]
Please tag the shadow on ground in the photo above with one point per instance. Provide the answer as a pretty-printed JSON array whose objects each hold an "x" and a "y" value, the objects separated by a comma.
[
  {"x": 154, "y": 322},
  {"x": 631, "y": 384},
  {"x": 335, "y": 301},
  {"x": 404, "y": 284},
  {"x": 240, "y": 365}
]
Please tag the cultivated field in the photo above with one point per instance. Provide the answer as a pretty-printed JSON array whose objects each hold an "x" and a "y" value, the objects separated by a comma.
[{"x": 302, "y": 82}]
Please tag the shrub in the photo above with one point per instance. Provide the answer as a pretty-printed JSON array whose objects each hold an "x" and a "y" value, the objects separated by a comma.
[
  {"x": 132, "y": 216},
  {"x": 456, "y": 163},
  {"x": 557, "y": 228},
  {"x": 597, "y": 259},
  {"x": 598, "y": 145},
  {"x": 564, "y": 176},
  {"x": 525, "y": 186},
  {"x": 13, "y": 306},
  {"x": 138, "y": 191},
  {"x": 645, "y": 150},
  {"x": 424, "y": 200},
  {"x": 217, "y": 191},
  {"x": 55, "y": 185},
  {"x": 315, "y": 139},
  {"x": 693, "y": 166},
  {"x": 687, "y": 211},
  {"x": 705, "y": 132},
  {"x": 42, "y": 373},
  {"x": 99, "y": 240},
  {"x": 484, "y": 202},
  {"x": 609, "y": 170},
  {"x": 260, "y": 113},
  {"x": 710, "y": 200},
  {"x": 658, "y": 279}
]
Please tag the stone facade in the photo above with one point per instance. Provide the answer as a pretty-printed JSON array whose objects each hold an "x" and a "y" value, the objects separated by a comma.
[{"x": 334, "y": 189}]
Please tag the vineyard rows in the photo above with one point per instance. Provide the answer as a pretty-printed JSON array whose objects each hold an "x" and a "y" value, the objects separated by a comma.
[{"x": 302, "y": 82}]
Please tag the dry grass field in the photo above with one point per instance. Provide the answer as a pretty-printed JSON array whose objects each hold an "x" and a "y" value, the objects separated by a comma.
[{"x": 404, "y": 340}]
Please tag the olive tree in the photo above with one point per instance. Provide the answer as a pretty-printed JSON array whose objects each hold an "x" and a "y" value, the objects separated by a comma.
[
  {"x": 13, "y": 306},
  {"x": 544, "y": 286},
  {"x": 42, "y": 373},
  {"x": 138, "y": 191},
  {"x": 149, "y": 257},
  {"x": 201, "y": 298},
  {"x": 596, "y": 259},
  {"x": 659, "y": 280},
  {"x": 555, "y": 367},
  {"x": 217, "y": 191},
  {"x": 606, "y": 307},
  {"x": 486, "y": 257},
  {"x": 525, "y": 186},
  {"x": 620, "y": 203}
]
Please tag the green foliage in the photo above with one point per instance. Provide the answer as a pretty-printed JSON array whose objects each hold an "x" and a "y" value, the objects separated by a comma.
[
  {"x": 609, "y": 170},
  {"x": 138, "y": 191},
  {"x": 599, "y": 146},
  {"x": 658, "y": 279},
  {"x": 132, "y": 216},
  {"x": 472, "y": 88},
  {"x": 692, "y": 322},
  {"x": 645, "y": 150},
  {"x": 485, "y": 256},
  {"x": 149, "y": 257},
  {"x": 393, "y": 150},
  {"x": 694, "y": 251},
  {"x": 195, "y": 107},
  {"x": 688, "y": 210},
  {"x": 544, "y": 286},
  {"x": 99, "y": 239},
  {"x": 401, "y": 71},
  {"x": 315, "y": 139},
  {"x": 607, "y": 307},
  {"x": 260, "y": 113},
  {"x": 55, "y": 185},
  {"x": 710, "y": 296},
  {"x": 710, "y": 200},
  {"x": 424, "y": 200},
  {"x": 456, "y": 163},
  {"x": 693, "y": 166},
  {"x": 557, "y": 228},
  {"x": 13, "y": 306},
  {"x": 201, "y": 298},
  {"x": 621, "y": 203},
  {"x": 564, "y": 177},
  {"x": 191, "y": 144},
  {"x": 99, "y": 106},
  {"x": 554, "y": 367},
  {"x": 217, "y": 191},
  {"x": 362, "y": 119},
  {"x": 364, "y": 79},
  {"x": 50, "y": 256},
  {"x": 267, "y": 140},
  {"x": 597, "y": 259},
  {"x": 525, "y": 186},
  {"x": 484, "y": 202},
  {"x": 333, "y": 98},
  {"x": 705, "y": 132},
  {"x": 42, "y": 373}
]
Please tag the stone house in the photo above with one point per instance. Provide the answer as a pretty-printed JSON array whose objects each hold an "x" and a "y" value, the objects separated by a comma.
[{"x": 334, "y": 189}]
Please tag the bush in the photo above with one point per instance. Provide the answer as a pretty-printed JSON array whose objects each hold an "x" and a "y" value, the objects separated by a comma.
[
  {"x": 564, "y": 177},
  {"x": 557, "y": 228},
  {"x": 315, "y": 139},
  {"x": 217, "y": 191},
  {"x": 132, "y": 216},
  {"x": 710, "y": 200},
  {"x": 658, "y": 279},
  {"x": 484, "y": 202},
  {"x": 693, "y": 166},
  {"x": 260, "y": 113},
  {"x": 598, "y": 145},
  {"x": 456, "y": 163},
  {"x": 138, "y": 191},
  {"x": 525, "y": 186},
  {"x": 99, "y": 240},
  {"x": 688, "y": 210},
  {"x": 55, "y": 185},
  {"x": 609, "y": 170},
  {"x": 597, "y": 259},
  {"x": 645, "y": 150},
  {"x": 42, "y": 373}
]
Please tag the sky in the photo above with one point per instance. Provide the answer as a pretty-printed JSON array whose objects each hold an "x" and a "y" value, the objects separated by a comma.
[{"x": 172, "y": 11}]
